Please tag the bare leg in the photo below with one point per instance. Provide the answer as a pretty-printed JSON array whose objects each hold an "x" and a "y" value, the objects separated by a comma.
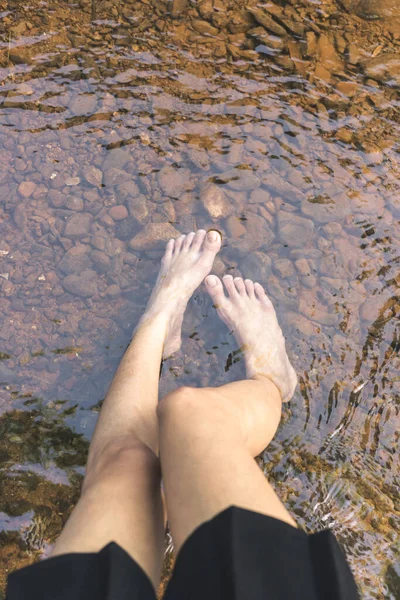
[
  {"x": 121, "y": 498},
  {"x": 208, "y": 437}
]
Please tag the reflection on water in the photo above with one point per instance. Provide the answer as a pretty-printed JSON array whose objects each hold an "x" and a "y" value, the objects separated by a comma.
[{"x": 120, "y": 125}]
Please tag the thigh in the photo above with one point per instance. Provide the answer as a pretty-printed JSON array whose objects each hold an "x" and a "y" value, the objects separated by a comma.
[
  {"x": 120, "y": 502},
  {"x": 207, "y": 463}
]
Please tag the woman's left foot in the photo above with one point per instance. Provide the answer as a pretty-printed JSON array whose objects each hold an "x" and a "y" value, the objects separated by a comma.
[{"x": 187, "y": 261}]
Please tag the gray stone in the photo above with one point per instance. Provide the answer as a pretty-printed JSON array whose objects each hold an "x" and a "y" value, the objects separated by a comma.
[
  {"x": 153, "y": 236},
  {"x": 116, "y": 158},
  {"x": 83, "y": 104},
  {"x": 178, "y": 6},
  {"x": 93, "y": 175},
  {"x": 284, "y": 267},
  {"x": 394, "y": 204},
  {"x": 114, "y": 176},
  {"x": 204, "y": 27},
  {"x": 100, "y": 260},
  {"x": 256, "y": 266},
  {"x": 6, "y": 374},
  {"x": 78, "y": 225},
  {"x": 293, "y": 230},
  {"x": 215, "y": 202},
  {"x": 384, "y": 68},
  {"x": 174, "y": 182},
  {"x": 280, "y": 187},
  {"x": 80, "y": 285},
  {"x": 325, "y": 209},
  {"x": 75, "y": 261},
  {"x": 240, "y": 179}
]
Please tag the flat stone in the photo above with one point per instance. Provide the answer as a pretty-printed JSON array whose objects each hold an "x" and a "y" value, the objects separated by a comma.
[
  {"x": 258, "y": 234},
  {"x": 374, "y": 307},
  {"x": 113, "y": 291},
  {"x": 20, "y": 217},
  {"x": 153, "y": 236},
  {"x": 177, "y": 8},
  {"x": 204, "y": 27},
  {"x": 277, "y": 184},
  {"x": 83, "y": 104},
  {"x": 267, "y": 21},
  {"x": 293, "y": 230},
  {"x": 235, "y": 227},
  {"x": 368, "y": 204},
  {"x": 174, "y": 182},
  {"x": 240, "y": 179},
  {"x": 117, "y": 158},
  {"x": 129, "y": 189},
  {"x": 127, "y": 228},
  {"x": 394, "y": 204},
  {"x": 325, "y": 209},
  {"x": 74, "y": 203},
  {"x": 57, "y": 198},
  {"x": 114, "y": 176},
  {"x": 215, "y": 202},
  {"x": 284, "y": 267},
  {"x": 256, "y": 266},
  {"x": 72, "y": 181},
  {"x": 75, "y": 261},
  {"x": 138, "y": 208},
  {"x": 78, "y": 225},
  {"x": 93, "y": 175},
  {"x": 119, "y": 212},
  {"x": 327, "y": 55},
  {"x": 6, "y": 374},
  {"x": 384, "y": 68},
  {"x": 26, "y": 188},
  {"x": 80, "y": 285},
  {"x": 100, "y": 260}
]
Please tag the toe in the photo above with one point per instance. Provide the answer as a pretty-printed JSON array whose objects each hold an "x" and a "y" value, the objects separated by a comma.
[
  {"x": 230, "y": 286},
  {"x": 261, "y": 295},
  {"x": 188, "y": 241},
  {"x": 215, "y": 289},
  {"x": 198, "y": 239},
  {"x": 239, "y": 284},
  {"x": 249, "y": 287},
  {"x": 212, "y": 243},
  {"x": 178, "y": 243},
  {"x": 168, "y": 251}
]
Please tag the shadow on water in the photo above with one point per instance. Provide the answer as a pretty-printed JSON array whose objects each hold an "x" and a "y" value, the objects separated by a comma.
[{"x": 122, "y": 124}]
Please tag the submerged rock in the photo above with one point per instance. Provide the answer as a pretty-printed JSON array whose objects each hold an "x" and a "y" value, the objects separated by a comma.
[
  {"x": 81, "y": 285},
  {"x": 256, "y": 266},
  {"x": 153, "y": 236},
  {"x": 178, "y": 6},
  {"x": 215, "y": 202},
  {"x": 26, "y": 188},
  {"x": 174, "y": 182},
  {"x": 78, "y": 225},
  {"x": 293, "y": 230},
  {"x": 75, "y": 261},
  {"x": 325, "y": 209},
  {"x": 384, "y": 68}
]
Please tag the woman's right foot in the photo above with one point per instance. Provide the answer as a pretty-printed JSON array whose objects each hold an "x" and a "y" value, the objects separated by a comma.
[{"x": 249, "y": 313}]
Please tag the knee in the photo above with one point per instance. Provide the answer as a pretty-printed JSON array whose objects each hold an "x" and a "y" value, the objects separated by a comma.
[
  {"x": 178, "y": 406},
  {"x": 118, "y": 457}
]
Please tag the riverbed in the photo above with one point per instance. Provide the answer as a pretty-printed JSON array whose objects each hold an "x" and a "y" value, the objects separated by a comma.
[{"x": 123, "y": 124}]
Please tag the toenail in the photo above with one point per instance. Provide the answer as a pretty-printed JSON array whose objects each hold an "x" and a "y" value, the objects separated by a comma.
[
  {"x": 212, "y": 236},
  {"x": 212, "y": 280}
]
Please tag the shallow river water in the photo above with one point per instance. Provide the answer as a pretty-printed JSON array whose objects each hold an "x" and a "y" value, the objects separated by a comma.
[{"x": 124, "y": 123}]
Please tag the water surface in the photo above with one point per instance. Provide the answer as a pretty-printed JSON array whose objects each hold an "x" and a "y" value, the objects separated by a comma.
[{"x": 277, "y": 124}]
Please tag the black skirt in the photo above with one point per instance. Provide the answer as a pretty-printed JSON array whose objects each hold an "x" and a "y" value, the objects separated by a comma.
[{"x": 237, "y": 555}]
